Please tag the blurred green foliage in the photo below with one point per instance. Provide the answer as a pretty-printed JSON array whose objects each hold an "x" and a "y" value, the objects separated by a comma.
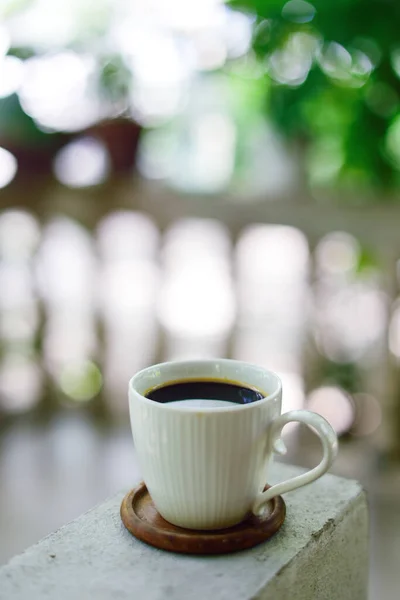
[{"x": 334, "y": 73}]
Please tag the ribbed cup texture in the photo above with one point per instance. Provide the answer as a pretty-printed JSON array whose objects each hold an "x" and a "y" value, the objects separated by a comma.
[{"x": 203, "y": 469}]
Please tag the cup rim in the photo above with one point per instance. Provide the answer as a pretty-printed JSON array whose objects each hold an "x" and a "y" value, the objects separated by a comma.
[{"x": 193, "y": 409}]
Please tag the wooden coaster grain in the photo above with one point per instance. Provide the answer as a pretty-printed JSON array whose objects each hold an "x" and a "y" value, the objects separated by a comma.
[{"x": 142, "y": 519}]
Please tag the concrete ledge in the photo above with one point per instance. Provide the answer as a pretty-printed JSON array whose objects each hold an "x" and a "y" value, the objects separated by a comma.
[{"x": 321, "y": 553}]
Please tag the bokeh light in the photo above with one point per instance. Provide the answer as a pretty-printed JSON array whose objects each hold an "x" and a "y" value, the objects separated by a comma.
[
  {"x": 292, "y": 63},
  {"x": 350, "y": 321},
  {"x": 67, "y": 249},
  {"x": 129, "y": 278},
  {"x": 275, "y": 252},
  {"x": 66, "y": 274},
  {"x": 123, "y": 235},
  {"x": 197, "y": 295},
  {"x": 11, "y": 75},
  {"x": 45, "y": 24},
  {"x": 156, "y": 154},
  {"x": 68, "y": 337},
  {"x": 19, "y": 234},
  {"x": 336, "y": 60},
  {"x": 200, "y": 165},
  {"x": 349, "y": 68},
  {"x": 81, "y": 381},
  {"x": 131, "y": 343},
  {"x": 335, "y": 405},
  {"x": 16, "y": 284},
  {"x": 129, "y": 286},
  {"x": 272, "y": 267},
  {"x": 298, "y": 11},
  {"x": 237, "y": 30},
  {"x": 82, "y": 163},
  {"x": 129, "y": 282},
  {"x": 18, "y": 309},
  {"x": 55, "y": 91},
  {"x": 269, "y": 347},
  {"x": 205, "y": 239},
  {"x": 8, "y": 167},
  {"x": 19, "y": 324},
  {"x": 161, "y": 72},
  {"x": 197, "y": 301},
  {"x": 20, "y": 383},
  {"x": 187, "y": 156},
  {"x": 337, "y": 253}
]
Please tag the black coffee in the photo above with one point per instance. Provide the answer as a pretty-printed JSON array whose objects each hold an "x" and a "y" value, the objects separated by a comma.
[{"x": 192, "y": 390}]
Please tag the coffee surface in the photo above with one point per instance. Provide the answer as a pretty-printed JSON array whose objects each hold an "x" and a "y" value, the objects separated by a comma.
[{"x": 200, "y": 392}]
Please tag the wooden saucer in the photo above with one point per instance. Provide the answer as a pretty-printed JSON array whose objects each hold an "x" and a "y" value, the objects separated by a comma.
[{"x": 141, "y": 518}]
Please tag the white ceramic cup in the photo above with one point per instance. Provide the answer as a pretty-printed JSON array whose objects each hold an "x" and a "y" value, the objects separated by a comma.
[{"x": 205, "y": 463}]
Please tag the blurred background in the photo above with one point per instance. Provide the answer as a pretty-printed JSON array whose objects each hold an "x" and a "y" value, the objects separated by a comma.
[{"x": 195, "y": 179}]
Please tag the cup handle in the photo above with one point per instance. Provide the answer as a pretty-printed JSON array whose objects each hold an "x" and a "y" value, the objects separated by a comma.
[{"x": 329, "y": 444}]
